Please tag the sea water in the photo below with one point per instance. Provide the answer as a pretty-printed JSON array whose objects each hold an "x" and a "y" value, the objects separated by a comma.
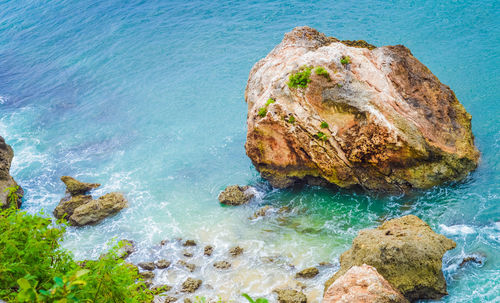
[{"x": 147, "y": 98}]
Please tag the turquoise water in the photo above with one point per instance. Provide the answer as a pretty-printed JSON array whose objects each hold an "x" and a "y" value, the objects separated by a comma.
[{"x": 146, "y": 97}]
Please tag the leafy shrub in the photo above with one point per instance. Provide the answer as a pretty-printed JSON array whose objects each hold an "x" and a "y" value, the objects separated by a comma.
[
  {"x": 324, "y": 124},
  {"x": 345, "y": 60},
  {"x": 13, "y": 196},
  {"x": 34, "y": 267},
  {"x": 291, "y": 119},
  {"x": 263, "y": 110},
  {"x": 321, "y": 136},
  {"x": 250, "y": 300},
  {"x": 321, "y": 71},
  {"x": 300, "y": 78}
]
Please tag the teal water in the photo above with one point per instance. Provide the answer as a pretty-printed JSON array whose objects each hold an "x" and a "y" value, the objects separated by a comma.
[{"x": 146, "y": 97}]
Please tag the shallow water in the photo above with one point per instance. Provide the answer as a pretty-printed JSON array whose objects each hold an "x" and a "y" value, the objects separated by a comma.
[{"x": 146, "y": 97}]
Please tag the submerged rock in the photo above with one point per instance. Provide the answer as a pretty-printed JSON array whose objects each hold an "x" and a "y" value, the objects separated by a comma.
[
  {"x": 170, "y": 299},
  {"x": 236, "y": 251},
  {"x": 290, "y": 296},
  {"x": 75, "y": 187},
  {"x": 406, "y": 252},
  {"x": 191, "y": 267},
  {"x": 158, "y": 289},
  {"x": 161, "y": 264},
  {"x": 96, "y": 210},
  {"x": 191, "y": 285},
  {"x": 208, "y": 250},
  {"x": 470, "y": 259},
  {"x": 10, "y": 192},
  {"x": 362, "y": 284},
  {"x": 324, "y": 111},
  {"x": 189, "y": 243},
  {"x": 222, "y": 265},
  {"x": 261, "y": 212},
  {"x": 308, "y": 273},
  {"x": 127, "y": 248},
  {"x": 235, "y": 195},
  {"x": 147, "y": 275}
]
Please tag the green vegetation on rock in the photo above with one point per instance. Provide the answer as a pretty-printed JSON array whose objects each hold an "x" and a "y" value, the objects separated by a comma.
[
  {"x": 35, "y": 268},
  {"x": 263, "y": 110},
  {"x": 345, "y": 60},
  {"x": 321, "y": 136},
  {"x": 324, "y": 124},
  {"x": 12, "y": 195},
  {"x": 300, "y": 78},
  {"x": 321, "y": 71},
  {"x": 291, "y": 119},
  {"x": 258, "y": 300}
]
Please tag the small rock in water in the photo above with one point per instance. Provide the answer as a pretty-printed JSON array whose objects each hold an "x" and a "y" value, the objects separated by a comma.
[
  {"x": 147, "y": 265},
  {"x": 147, "y": 275},
  {"x": 290, "y": 296},
  {"x": 325, "y": 264},
  {"x": 222, "y": 265},
  {"x": 236, "y": 251},
  {"x": 187, "y": 300},
  {"x": 75, "y": 187},
  {"x": 191, "y": 285},
  {"x": 208, "y": 250},
  {"x": 189, "y": 243},
  {"x": 163, "y": 242},
  {"x": 161, "y": 264},
  {"x": 169, "y": 299},
  {"x": 261, "y": 212},
  {"x": 307, "y": 273},
  {"x": 187, "y": 254},
  {"x": 235, "y": 195},
  {"x": 189, "y": 266},
  {"x": 99, "y": 209},
  {"x": 470, "y": 259}
]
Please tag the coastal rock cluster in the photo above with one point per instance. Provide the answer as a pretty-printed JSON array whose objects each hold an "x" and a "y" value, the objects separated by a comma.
[
  {"x": 404, "y": 251},
  {"x": 81, "y": 209},
  {"x": 10, "y": 192},
  {"x": 325, "y": 111}
]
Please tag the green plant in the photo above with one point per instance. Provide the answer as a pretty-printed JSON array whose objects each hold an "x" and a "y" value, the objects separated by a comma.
[
  {"x": 324, "y": 124},
  {"x": 34, "y": 267},
  {"x": 300, "y": 78},
  {"x": 250, "y": 300},
  {"x": 291, "y": 119},
  {"x": 321, "y": 136},
  {"x": 345, "y": 60},
  {"x": 321, "y": 71},
  {"x": 12, "y": 195},
  {"x": 263, "y": 110}
]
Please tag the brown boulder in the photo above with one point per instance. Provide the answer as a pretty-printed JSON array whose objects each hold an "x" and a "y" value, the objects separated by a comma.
[
  {"x": 191, "y": 285},
  {"x": 307, "y": 273},
  {"x": 290, "y": 296},
  {"x": 67, "y": 207},
  {"x": 96, "y": 210},
  {"x": 235, "y": 195},
  {"x": 75, "y": 187},
  {"x": 362, "y": 284},
  {"x": 406, "y": 252},
  {"x": 325, "y": 111}
]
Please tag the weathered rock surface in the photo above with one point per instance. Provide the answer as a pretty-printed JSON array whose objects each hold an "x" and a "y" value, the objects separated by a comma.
[
  {"x": 161, "y": 264},
  {"x": 235, "y": 251},
  {"x": 208, "y": 250},
  {"x": 362, "y": 284},
  {"x": 96, "y": 210},
  {"x": 67, "y": 207},
  {"x": 222, "y": 265},
  {"x": 290, "y": 296},
  {"x": 75, "y": 187},
  {"x": 6, "y": 180},
  {"x": 373, "y": 117},
  {"x": 406, "y": 252},
  {"x": 147, "y": 265},
  {"x": 235, "y": 195},
  {"x": 261, "y": 212},
  {"x": 191, "y": 285},
  {"x": 128, "y": 247},
  {"x": 189, "y": 266},
  {"x": 307, "y": 273}
]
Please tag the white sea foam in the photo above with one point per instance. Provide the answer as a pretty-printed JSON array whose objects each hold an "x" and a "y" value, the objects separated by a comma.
[{"x": 457, "y": 229}]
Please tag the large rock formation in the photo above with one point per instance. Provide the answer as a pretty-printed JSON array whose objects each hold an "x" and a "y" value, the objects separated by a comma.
[
  {"x": 406, "y": 252},
  {"x": 325, "y": 111},
  {"x": 362, "y": 284},
  {"x": 80, "y": 209},
  {"x": 10, "y": 191}
]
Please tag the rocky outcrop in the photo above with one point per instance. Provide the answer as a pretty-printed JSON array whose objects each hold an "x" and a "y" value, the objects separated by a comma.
[
  {"x": 80, "y": 209},
  {"x": 326, "y": 111},
  {"x": 10, "y": 192},
  {"x": 235, "y": 195},
  {"x": 406, "y": 252},
  {"x": 290, "y": 296},
  {"x": 307, "y": 273},
  {"x": 75, "y": 187},
  {"x": 96, "y": 210},
  {"x": 362, "y": 284},
  {"x": 191, "y": 285}
]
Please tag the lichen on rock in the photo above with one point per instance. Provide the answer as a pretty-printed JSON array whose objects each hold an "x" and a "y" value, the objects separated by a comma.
[
  {"x": 391, "y": 124},
  {"x": 406, "y": 252}
]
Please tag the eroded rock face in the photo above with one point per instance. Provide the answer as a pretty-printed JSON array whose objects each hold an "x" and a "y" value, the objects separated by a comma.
[
  {"x": 362, "y": 284},
  {"x": 96, "y": 210},
  {"x": 374, "y": 117},
  {"x": 67, "y": 207},
  {"x": 75, "y": 187},
  {"x": 406, "y": 252},
  {"x": 6, "y": 180}
]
